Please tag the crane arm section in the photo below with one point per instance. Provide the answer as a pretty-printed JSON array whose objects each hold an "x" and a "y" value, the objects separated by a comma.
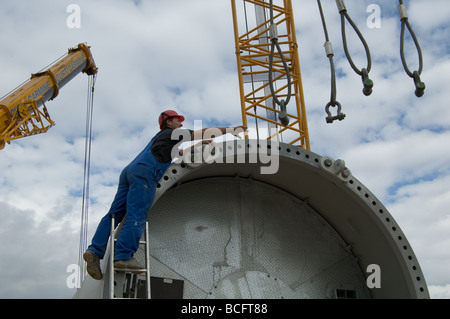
[
  {"x": 20, "y": 113},
  {"x": 255, "y": 63}
]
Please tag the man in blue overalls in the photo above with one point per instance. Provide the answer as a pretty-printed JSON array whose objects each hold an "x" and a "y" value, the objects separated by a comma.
[{"x": 135, "y": 194}]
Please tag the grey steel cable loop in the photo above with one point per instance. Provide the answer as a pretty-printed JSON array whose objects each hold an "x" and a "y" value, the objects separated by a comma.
[
  {"x": 420, "y": 86},
  {"x": 364, "y": 72},
  {"x": 274, "y": 44},
  {"x": 330, "y": 54}
]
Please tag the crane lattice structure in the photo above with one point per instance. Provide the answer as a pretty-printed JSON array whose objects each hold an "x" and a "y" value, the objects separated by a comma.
[{"x": 253, "y": 51}]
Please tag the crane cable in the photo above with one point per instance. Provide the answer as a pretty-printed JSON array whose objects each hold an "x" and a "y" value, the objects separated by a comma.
[
  {"x": 251, "y": 71},
  {"x": 274, "y": 44},
  {"x": 87, "y": 168},
  {"x": 364, "y": 72},
  {"x": 330, "y": 54},
  {"x": 420, "y": 86}
]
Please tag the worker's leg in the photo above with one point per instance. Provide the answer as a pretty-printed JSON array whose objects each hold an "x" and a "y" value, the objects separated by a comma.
[
  {"x": 118, "y": 208},
  {"x": 140, "y": 198}
]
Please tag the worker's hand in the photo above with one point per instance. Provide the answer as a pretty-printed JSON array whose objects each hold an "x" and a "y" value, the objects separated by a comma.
[
  {"x": 183, "y": 151},
  {"x": 239, "y": 129},
  {"x": 210, "y": 142}
]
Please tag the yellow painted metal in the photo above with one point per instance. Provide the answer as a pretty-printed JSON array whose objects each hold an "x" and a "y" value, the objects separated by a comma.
[
  {"x": 20, "y": 113},
  {"x": 253, "y": 48}
]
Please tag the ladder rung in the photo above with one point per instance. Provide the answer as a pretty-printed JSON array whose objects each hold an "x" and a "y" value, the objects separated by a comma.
[
  {"x": 131, "y": 269},
  {"x": 140, "y": 242}
]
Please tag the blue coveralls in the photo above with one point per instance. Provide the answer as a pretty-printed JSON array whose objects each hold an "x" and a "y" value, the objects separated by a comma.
[{"x": 135, "y": 194}]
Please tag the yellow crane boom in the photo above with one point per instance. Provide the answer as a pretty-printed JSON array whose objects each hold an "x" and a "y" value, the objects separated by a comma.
[{"x": 20, "y": 115}]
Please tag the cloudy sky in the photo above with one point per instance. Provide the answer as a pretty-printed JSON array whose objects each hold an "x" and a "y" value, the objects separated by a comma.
[{"x": 153, "y": 55}]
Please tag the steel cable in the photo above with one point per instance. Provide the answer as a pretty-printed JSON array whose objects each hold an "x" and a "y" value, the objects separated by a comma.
[
  {"x": 364, "y": 72},
  {"x": 86, "y": 178},
  {"x": 274, "y": 44},
  {"x": 330, "y": 54},
  {"x": 420, "y": 86}
]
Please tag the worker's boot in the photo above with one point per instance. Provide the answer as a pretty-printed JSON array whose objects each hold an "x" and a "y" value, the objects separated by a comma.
[
  {"x": 93, "y": 264},
  {"x": 128, "y": 264}
]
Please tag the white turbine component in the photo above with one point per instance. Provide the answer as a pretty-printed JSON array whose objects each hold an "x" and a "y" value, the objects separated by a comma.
[{"x": 223, "y": 229}]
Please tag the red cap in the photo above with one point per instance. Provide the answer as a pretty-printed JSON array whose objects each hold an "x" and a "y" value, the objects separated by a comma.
[{"x": 167, "y": 114}]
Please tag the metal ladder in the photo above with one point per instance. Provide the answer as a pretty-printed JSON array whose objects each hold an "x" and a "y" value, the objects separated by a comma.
[{"x": 131, "y": 272}]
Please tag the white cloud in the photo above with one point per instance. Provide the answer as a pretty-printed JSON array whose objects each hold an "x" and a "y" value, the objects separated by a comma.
[
  {"x": 439, "y": 292},
  {"x": 35, "y": 257}
]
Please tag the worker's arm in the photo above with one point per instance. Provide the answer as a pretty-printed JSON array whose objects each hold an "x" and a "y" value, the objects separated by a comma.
[{"x": 212, "y": 132}]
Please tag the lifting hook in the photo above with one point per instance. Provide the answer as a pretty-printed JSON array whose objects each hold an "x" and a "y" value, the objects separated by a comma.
[{"x": 340, "y": 116}]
